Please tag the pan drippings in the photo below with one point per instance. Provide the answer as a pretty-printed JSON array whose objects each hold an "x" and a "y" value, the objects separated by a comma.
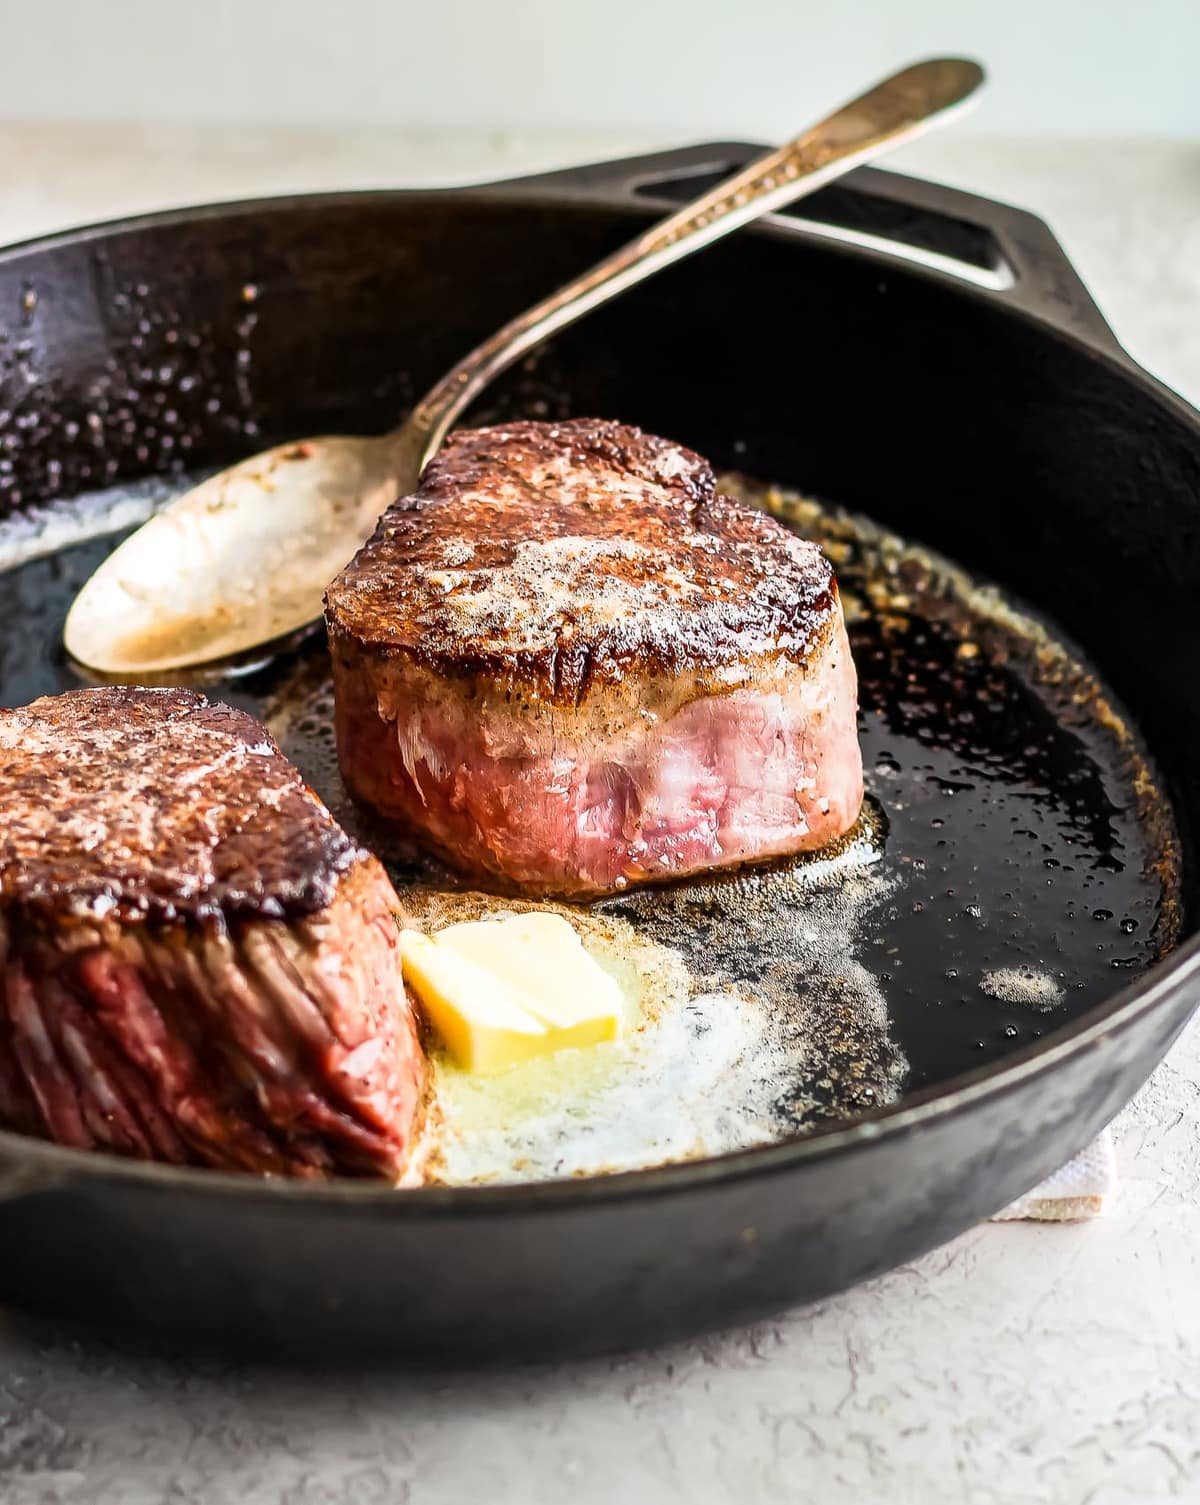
[{"x": 1015, "y": 864}]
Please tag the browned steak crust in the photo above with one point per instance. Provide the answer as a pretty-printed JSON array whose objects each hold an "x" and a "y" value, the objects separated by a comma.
[
  {"x": 197, "y": 965},
  {"x": 105, "y": 817},
  {"x": 558, "y": 556}
]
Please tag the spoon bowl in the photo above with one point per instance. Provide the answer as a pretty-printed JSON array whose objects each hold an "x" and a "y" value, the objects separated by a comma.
[{"x": 236, "y": 563}]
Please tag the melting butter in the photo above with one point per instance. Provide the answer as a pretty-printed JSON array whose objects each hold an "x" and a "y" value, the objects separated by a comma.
[{"x": 505, "y": 990}]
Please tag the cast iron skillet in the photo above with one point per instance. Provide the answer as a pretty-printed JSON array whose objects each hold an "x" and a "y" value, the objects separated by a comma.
[{"x": 988, "y": 411}]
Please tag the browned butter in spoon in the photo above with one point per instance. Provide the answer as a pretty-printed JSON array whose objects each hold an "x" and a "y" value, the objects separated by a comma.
[{"x": 241, "y": 561}]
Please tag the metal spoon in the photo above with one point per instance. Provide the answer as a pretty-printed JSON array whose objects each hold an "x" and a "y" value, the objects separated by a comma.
[{"x": 239, "y": 565}]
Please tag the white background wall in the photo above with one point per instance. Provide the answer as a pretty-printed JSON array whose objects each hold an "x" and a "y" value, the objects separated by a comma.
[{"x": 669, "y": 67}]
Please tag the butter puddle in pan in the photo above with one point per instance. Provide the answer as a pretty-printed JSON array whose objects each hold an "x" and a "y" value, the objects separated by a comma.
[{"x": 708, "y": 1064}]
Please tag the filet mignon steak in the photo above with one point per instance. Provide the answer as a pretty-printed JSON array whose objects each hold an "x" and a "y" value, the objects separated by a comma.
[
  {"x": 569, "y": 664},
  {"x": 199, "y": 965}
]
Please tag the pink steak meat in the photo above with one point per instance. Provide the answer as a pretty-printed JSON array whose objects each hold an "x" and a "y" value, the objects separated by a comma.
[
  {"x": 199, "y": 965},
  {"x": 569, "y": 664}
]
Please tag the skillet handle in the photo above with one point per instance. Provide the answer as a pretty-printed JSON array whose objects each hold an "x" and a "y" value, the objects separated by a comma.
[{"x": 1003, "y": 252}]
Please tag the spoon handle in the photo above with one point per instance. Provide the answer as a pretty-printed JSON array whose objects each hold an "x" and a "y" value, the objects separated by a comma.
[{"x": 894, "y": 111}]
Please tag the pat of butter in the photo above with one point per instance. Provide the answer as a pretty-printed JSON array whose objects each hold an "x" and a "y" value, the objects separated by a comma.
[
  {"x": 503, "y": 991},
  {"x": 541, "y": 955},
  {"x": 479, "y": 1017}
]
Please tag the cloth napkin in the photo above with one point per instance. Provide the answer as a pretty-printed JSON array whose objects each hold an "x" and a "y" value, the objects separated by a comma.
[{"x": 1080, "y": 1189}]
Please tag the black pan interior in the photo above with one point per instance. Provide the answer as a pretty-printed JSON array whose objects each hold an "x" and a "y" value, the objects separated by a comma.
[
  {"x": 320, "y": 319},
  {"x": 1015, "y": 842}
]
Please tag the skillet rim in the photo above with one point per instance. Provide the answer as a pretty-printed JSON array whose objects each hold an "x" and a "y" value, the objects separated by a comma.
[{"x": 31, "y": 1167}]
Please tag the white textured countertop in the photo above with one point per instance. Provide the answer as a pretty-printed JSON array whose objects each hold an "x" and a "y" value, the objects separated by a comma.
[{"x": 1023, "y": 1363}]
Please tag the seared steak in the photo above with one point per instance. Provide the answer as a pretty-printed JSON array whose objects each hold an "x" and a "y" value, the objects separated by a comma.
[
  {"x": 569, "y": 664},
  {"x": 200, "y": 966}
]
